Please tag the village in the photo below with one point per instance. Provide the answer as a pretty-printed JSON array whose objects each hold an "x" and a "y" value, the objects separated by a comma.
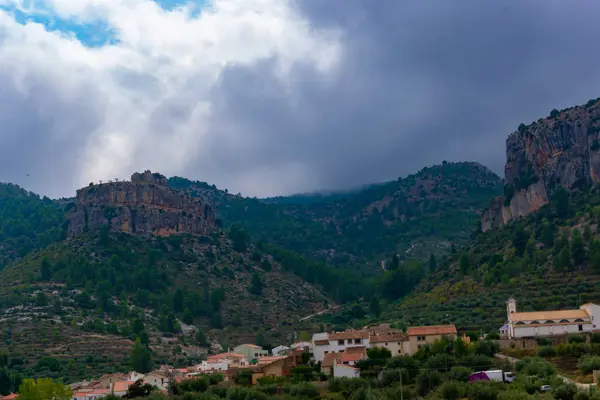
[{"x": 336, "y": 354}]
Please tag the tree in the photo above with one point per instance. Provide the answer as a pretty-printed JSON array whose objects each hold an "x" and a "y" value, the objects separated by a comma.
[
  {"x": 139, "y": 389},
  {"x": 178, "y": 300},
  {"x": 141, "y": 358},
  {"x": 375, "y": 306},
  {"x": 201, "y": 338},
  {"x": 432, "y": 263},
  {"x": 577, "y": 247},
  {"x": 520, "y": 240},
  {"x": 379, "y": 353},
  {"x": 45, "y": 270},
  {"x": 563, "y": 261},
  {"x": 44, "y": 389},
  {"x": 562, "y": 203},
  {"x": 464, "y": 264},
  {"x": 587, "y": 232},
  {"x": 188, "y": 316},
  {"x": 256, "y": 284}
]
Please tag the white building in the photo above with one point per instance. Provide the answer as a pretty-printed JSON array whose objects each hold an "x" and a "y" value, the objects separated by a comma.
[
  {"x": 279, "y": 349},
  {"x": 396, "y": 343},
  {"x": 549, "y": 323},
  {"x": 325, "y": 343},
  {"x": 345, "y": 371}
]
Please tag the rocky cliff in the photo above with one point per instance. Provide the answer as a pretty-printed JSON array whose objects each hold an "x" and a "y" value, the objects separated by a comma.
[
  {"x": 561, "y": 151},
  {"x": 145, "y": 206}
]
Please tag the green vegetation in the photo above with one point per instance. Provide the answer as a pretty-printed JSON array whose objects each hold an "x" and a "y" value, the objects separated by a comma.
[
  {"x": 27, "y": 222},
  {"x": 438, "y": 204}
]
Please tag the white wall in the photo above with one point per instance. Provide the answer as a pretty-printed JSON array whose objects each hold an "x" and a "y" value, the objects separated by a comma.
[
  {"x": 340, "y": 371},
  {"x": 521, "y": 331},
  {"x": 221, "y": 365},
  {"x": 335, "y": 347},
  {"x": 594, "y": 311}
]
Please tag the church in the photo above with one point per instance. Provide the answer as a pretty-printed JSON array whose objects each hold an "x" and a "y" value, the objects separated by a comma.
[{"x": 532, "y": 324}]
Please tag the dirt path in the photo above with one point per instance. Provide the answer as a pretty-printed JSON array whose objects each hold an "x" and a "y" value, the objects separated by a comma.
[{"x": 319, "y": 313}]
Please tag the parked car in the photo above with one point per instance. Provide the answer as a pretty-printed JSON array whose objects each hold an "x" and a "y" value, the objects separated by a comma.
[{"x": 545, "y": 388}]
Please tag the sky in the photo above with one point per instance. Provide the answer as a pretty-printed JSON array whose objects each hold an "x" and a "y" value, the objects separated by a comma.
[{"x": 274, "y": 97}]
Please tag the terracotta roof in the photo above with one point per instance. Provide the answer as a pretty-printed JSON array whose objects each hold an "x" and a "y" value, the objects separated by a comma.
[
  {"x": 432, "y": 330},
  {"x": 349, "y": 357},
  {"x": 329, "y": 357},
  {"x": 543, "y": 316},
  {"x": 270, "y": 359},
  {"x": 122, "y": 386},
  {"x": 355, "y": 350},
  {"x": 11, "y": 396},
  {"x": 99, "y": 391},
  {"x": 345, "y": 366},
  {"x": 250, "y": 345},
  {"x": 349, "y": 335},
  {"x": 394, "y": 337},
  {"x": 323, "y": 342},
  {"x": 225, "y": 355}
]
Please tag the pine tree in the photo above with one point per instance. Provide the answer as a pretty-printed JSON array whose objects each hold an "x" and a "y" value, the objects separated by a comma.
[
  {"x": 256, "y": 284},
  {"x": 45, "y": 270},
  {"x": 432, "y": 263},
  {"x": 577, "y": 247},
  {"x": 375, "y": 306},
  {"x": 141, "y": 358},
  {"x": 563, "y": 261},
  {"x": 464, "y": 264}
]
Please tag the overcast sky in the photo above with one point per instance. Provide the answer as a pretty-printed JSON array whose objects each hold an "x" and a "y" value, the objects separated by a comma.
[{"x": 269, "y": 97}]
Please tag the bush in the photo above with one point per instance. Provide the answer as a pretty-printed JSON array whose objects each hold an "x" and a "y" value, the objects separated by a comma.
[
  {"x": 427, "y": 381},
  {"x": 304, "y": 390},
  {"x": 534, "y": 366},
  {"x": 543, "y": 342},
  {"x": 451, "y": 390},
  {"x": 576, "y": 338},
  {"x": 546, "y": 351},
  {"x": 564, "y": 392},
  {"x": 460, "y": 374},
  {"x": 347, "y": 386},
  {"x": 482, "y": 390},
  {"x": 587, "y": 364}
]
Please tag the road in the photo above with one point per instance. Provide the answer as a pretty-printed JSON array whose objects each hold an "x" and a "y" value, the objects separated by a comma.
[
  {"x": 319, "y": 313},
  {"x": 513, "y": 361}
]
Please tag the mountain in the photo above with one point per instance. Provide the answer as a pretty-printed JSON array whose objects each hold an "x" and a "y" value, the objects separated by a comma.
[
  {"x": 540, "y": 242},
  {"x": 137, "y": 258},
  {"x": 561, "y": 151},
  {"x": 416, "y": 216}
]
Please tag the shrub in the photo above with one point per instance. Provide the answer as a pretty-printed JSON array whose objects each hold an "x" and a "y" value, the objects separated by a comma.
[
  {"x": 587, "y": 364},
  {"x": 460, "y": 374},
  {"x": 543, "y": 342},
  {"x": 546, "y": 351},
  {"x": 576, "y": 338},
  {"x": 304, "y": 390},
  {"x": 482, "y": 390},
  {"x": 427, "y": 381},
  {"x": 534, "y": 366},
  {"x": 564, "y": 392},
  {"x": 451, "y": 390}
]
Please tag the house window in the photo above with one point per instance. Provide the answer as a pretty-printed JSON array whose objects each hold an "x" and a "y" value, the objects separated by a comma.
[
  {"x": 341, "y": 342},
  {"x": 562, "y": 321},
  {"x": 420, "y": 338},
  {"x": 580, "y": 328},
  {"x": 386, "y": 344},
  {"x": 326, "y": 352},
  {"x": 356, "y": 341},
  {"x": 419, "y": 347}
]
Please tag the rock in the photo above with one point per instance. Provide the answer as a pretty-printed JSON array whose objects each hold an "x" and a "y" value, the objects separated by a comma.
[
  {"x": 144, "y": 206},
  {"x": 552, "y": 153}
]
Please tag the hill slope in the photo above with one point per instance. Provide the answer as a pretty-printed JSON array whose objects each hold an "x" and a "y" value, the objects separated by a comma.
[
  {"x": 549, "y": 258},
  {"x": 414, "y": 216}
]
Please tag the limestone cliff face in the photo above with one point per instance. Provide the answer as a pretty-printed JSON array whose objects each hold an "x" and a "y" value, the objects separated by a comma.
[
  {"x": 562, "y": 151},
  {"x": 144, "y": 206}
]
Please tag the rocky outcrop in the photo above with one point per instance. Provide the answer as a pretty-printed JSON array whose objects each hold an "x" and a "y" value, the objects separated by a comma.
[
  {"x": 561, "y": 151},
  {"x": 144, "y": 206}
]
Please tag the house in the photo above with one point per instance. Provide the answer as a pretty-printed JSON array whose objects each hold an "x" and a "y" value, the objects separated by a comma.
[
  {"x": 336, "y": 342},
  {"x": 347, "y": 357},
  {"x": 280, "y": 349},
  {"x": 276, "y": 366},
  {"x": 345, "y": 371},
  {"x": 11, "y": 396},
  {"x": 222, "y": 362},
  {"x": 135, "y": 376},
  {"x": 250, "y": 351},
  {"x": 106, "y": 381},
  {"x": 156, "y": 378},
  {"x": 396, "y": 343},
  {"x": 534, "y": 324},
  {"x": 304, "y": 346},
  {"x": 422, "y": 335},
  {"x": 95, "y": 394},
  {"x": 119, "y": 389}
]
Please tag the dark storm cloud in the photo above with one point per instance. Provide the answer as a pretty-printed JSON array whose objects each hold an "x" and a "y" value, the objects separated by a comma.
[{"x": 420, "y": 82}]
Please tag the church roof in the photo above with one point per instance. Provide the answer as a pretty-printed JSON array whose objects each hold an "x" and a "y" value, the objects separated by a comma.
[{"x": 544, "y": 316}]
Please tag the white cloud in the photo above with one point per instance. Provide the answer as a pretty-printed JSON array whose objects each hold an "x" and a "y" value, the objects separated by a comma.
[{"x": 150, "y": 94}]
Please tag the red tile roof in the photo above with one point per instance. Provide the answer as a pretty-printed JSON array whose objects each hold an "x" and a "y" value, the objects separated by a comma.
[
  {"x": 11, "y": 396},
  {"x": 357, "y": 349},
  {"x": 350, "y": 357},
  {"x": 349, "y": 335},
  {"x": 329, "y": 357},
  {"x": 396, "y": 337},
  {"x": 122, "y": 386},
  {"x": 322, "y": 342},
  {"x": 432, "y": 330}
]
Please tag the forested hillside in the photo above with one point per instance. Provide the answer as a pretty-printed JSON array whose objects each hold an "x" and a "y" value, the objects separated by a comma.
[
  {"x": 27, "y": 222},
  {"x": 415, "y": 216}
]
